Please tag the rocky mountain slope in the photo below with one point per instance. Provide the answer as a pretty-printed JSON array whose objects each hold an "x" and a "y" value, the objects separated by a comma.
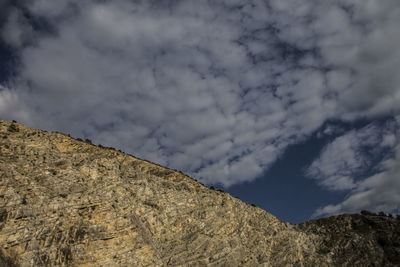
[{"x": 65, "y": 202}]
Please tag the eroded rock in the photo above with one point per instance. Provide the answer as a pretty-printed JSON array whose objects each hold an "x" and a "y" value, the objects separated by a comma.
[{"x": 64, "y": 202}]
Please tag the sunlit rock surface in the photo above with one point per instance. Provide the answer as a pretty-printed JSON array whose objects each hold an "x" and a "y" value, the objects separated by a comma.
[{"x": 65, "y": 202}]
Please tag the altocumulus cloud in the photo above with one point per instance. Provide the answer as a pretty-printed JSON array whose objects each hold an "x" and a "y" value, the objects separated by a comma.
[
  {"x": 352, "y": 154},
  {"x": 217, "y": 89},
  {"x": 379, "y": 191}
]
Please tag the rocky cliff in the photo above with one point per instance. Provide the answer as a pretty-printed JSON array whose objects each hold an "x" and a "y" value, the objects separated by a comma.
[{"x": 65, "y": 202}]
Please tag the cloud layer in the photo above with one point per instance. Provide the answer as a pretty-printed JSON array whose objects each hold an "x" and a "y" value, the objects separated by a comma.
[
  {"x": 353, "y": 154},
  {"x": 379, "y": 191},
  {"x": 218, "y": 90}
]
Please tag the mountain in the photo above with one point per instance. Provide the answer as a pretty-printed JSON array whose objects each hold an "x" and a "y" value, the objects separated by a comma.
[{"x": 66, "y": 202}]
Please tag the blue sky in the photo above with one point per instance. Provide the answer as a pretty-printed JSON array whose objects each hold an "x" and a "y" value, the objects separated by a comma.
[{"x": 293, "y": 105}]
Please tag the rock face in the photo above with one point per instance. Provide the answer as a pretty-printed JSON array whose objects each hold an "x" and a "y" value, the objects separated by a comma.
[{"x": 64, "y": 202}]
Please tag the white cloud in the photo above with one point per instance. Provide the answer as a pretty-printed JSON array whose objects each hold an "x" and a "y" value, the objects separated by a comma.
[
  {"x": 380, "y": 192},
  {"x": 344, "y": 164},
  {"x": 11, "y": 107},
  {"x": 337, "y": 163},
  {"x": 364, "y": 57},
  {"x": 330, "y": 130},
  {"x": 16, "y": 30},
  {"x": 388, "y": 140},
  {"x": 349, "y": 156}
]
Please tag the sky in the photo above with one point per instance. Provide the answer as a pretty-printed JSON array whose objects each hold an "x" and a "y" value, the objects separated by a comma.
[{"x": 293, "y": 105}]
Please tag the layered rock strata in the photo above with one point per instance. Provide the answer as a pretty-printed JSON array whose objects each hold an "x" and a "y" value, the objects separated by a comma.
[{"x": 65, "y": 202}]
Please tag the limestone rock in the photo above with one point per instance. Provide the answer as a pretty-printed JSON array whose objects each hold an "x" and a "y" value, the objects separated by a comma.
[{"x": 64, "y": 202}]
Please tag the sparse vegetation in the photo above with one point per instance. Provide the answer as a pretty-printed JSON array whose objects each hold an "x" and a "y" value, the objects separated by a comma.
[
  {"x": 365, "y": 212},
  {"x": 13, "y": 128},
  {"x": 381, "y": 213},
  {"x": 87, "y": 140},
  {"x": 212, "y": 187}
]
